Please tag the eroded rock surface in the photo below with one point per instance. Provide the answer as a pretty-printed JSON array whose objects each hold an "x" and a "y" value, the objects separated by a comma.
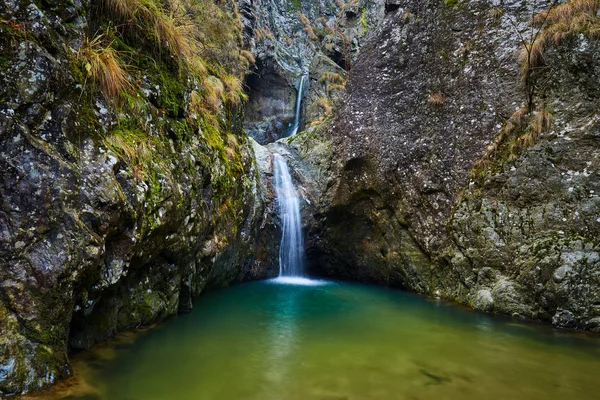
[
  {"x": 294, "y": 38},
  {"x": 409, "y": 203},
  {"x": 92, "y": 243}
]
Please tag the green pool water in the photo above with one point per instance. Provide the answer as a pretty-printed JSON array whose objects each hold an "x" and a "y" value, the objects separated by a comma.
[{"x": 335, "y": 341}]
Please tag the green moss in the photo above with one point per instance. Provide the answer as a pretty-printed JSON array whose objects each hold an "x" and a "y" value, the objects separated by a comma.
[
  {"x": 363, "y": 21},
  {"x": 451, "y": 3},
  {"x": 297, "y": 4}
]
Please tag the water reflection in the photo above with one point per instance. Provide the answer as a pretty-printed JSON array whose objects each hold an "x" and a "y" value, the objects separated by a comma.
[
  {"x": 270, "y": 341},
  {"x": 283, "y": 332}
]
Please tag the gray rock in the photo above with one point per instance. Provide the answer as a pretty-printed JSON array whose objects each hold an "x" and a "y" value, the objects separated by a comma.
[
  {"x": 409, "y": 202},
  {"x": 484, "y": 301},
  {"x": 564, "y": 319}
]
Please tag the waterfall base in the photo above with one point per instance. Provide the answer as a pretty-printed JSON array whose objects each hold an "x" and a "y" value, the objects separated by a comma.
[{"x": 297, "y": 280}]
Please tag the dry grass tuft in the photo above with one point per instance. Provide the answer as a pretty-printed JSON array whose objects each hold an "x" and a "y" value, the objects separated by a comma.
[
  {"x": 436, "y": 99},
  {"x": 202, "y": 37},
  {"x": 232, "y": 140},
  {"x": 103, "y": 65},
  {"x": 521, "y": 131},
  {"x": 263, "y": 33},
  {"x": 233, "y": 87},
  {"x": 308, "y": 27},
  {"x": 230, "y": 153},
  {"x": 325, "y": 104},
  {"x": 541, "y": 122},
  {"x": 213, "y": 92},
  {"x": 333, "y": 77},
  {"x": 558, "y": 24},
  {"x": 249, "y": 57},
  {"x": 335, "y": 86},
  {"x": 496, "y": 13},
  {"x": 334, "y": 81}
]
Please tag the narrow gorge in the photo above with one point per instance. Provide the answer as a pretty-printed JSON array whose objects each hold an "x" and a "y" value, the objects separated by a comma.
[{"x": 385, "y": 160}]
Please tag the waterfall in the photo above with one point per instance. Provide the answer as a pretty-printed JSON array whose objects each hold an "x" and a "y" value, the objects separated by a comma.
[
  {"x": 291, "y": 250},
  {"x": 296, "y": 125}
]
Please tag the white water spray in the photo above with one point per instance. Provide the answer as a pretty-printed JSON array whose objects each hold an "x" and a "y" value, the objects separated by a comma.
[
  {"x": 296, "y": 125},
  {"x": 291, "y": 249}
]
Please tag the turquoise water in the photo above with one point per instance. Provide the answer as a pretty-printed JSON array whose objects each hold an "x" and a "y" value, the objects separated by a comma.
[{"x": 338, "y": 341}]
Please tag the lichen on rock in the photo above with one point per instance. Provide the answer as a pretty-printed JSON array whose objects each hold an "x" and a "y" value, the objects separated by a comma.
[{"x": 118, "y": 207}]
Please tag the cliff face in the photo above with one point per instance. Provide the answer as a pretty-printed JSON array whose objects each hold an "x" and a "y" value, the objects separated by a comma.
[
  {"x": 319, "y": 39},
  {"x": 113, "y": 214},
  {"x": 437, "y": 173},
  {"x": 441, "y": 183}
]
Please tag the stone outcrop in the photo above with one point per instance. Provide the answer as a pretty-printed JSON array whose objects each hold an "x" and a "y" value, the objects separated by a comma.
[
  {"x": 423, "y": 195},
  {"x": 419, "y": 179},
  {"x": 295, "y": 38},
  {"x": 106, "y": 225}
]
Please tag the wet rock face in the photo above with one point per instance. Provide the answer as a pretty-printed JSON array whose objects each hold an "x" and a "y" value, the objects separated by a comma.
[
  {"x": 285, "y": 50},
  {"x": 270, "y": 109},
  {"x": 404, "y": 156},
  {"x": 426, "y": 97},
  {"x": 535, "y": 221},
  {"x": 89, "y": 244}
]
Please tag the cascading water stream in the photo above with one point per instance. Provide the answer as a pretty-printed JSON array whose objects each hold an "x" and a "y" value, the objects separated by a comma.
[
  {"x": 296, "y": 125},
  {"x": 291, "y": 250}
]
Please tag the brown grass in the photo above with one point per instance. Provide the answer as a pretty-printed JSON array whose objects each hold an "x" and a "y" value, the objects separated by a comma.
[
  {"x": 334, "y": 81},
  {"x": 530, "y": 128},
  {"x": 558, "y": 24},
  {"x": 103, "y": 65},
  {"x": 233, "y": 87},
  {"x": 335, "y": 86},
  {"x": 263, "y": 33},
  {"x": 202, "y": 37},
  {"x": 249, "y": 57},
  {"x": 308, "y": 27},
  {"x": 541, "y": 122},
  {"x": 436, "y": 99},
  {"x": 213, "y": 92},
  {"x": 333, "y": 77},
  {"x": 325, "y": 104},
  {"x": 496, "y": 13}
]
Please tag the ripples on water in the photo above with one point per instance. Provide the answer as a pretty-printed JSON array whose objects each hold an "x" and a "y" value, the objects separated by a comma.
[{"x": 306, "y": 340}]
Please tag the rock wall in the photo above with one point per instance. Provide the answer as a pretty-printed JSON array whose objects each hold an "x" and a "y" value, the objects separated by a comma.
[
  {"x": 106, "y": 224},
  {"x": 422, "y": 192},
  {"x": 294, "y": 38}
]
